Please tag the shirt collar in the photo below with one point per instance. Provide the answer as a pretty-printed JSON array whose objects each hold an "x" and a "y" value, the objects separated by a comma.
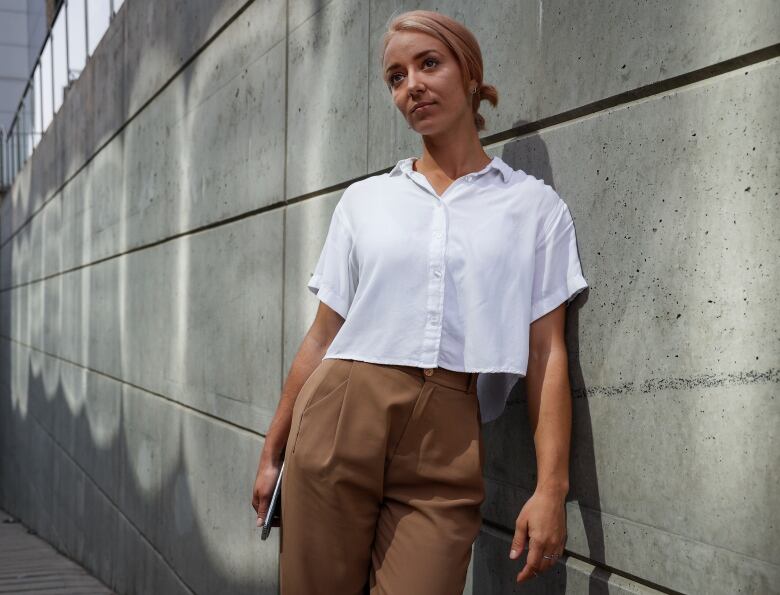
[{"x": 405, "y": 166}]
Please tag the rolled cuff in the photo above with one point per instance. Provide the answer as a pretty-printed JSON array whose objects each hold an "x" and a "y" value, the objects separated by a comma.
[
  {"x": 574, "y": 285},
  {"x": 328, "y": 296}
]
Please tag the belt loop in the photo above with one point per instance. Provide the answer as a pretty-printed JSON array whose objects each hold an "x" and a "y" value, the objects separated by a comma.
[{"x": 473, "y": 382}]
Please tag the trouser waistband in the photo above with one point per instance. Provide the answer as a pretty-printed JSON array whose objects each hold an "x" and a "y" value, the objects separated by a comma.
[{"x": 465, "y": 381}]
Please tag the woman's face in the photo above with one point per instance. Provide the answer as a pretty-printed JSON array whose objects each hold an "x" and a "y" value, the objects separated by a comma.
[{"x": 418, "y": 68}]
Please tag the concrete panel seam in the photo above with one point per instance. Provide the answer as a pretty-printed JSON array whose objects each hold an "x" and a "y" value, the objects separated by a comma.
[
  {"x": 320, "y": 8},
  {"x": 632, "y": 96},
  {"x": 140, "y": 109},
  {"x": 110, "y": 501},
  {"x": 179, "y": 404},
  {"x": 489, "y": 141},
  {"x": 196, "y": 230},
  {"x": 503, "y": 534},
  {"x": 283, "y": 314}
]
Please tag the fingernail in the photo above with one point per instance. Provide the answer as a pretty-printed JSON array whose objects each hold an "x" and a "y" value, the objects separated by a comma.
[
  {"x": 513, "y": 554},
  {"x": 259, "y": 521}
]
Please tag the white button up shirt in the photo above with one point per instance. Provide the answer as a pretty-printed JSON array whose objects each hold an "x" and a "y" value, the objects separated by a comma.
[{"x": 450, "y": 281}]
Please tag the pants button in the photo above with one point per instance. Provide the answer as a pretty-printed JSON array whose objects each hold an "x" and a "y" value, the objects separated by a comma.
[{"x": 428, "y": 372}]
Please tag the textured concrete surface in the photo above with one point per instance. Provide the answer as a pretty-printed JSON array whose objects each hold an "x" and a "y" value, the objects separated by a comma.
[
  {"x": 149, "y": 495},
  {"x": 675, "y": 389},
  {"x": 494, "y": 572},
  {"x": 549, "y": 57},
  {"x": 327, "y": 102},
  {"x": 154, "y": 254},
  {"x": 125, "y": 316},
  {"x": 154, "y": 179}
]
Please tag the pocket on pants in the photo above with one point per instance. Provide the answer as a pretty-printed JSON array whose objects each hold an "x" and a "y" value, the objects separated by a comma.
[{"x": 331, "y": 381}]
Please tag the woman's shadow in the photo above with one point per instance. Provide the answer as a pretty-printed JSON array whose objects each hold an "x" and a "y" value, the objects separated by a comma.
[{"x": 514, "y": 472}]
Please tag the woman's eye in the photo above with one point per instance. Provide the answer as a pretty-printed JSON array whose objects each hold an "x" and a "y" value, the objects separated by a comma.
[{"x": 391, "y": 80}]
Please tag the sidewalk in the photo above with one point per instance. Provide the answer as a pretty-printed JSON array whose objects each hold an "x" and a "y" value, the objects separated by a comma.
[{"x": 31, "y": 566}]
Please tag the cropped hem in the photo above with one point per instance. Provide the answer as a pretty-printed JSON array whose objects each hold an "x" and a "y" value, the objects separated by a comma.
[{"x": 417, "y": 363}]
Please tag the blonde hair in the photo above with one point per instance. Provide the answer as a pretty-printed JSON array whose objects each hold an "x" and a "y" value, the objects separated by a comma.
[{"x": 461, "y": 43}]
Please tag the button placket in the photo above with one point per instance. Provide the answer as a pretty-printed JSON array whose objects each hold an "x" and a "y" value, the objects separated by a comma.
[
  {"x": 436, "y": 278},
  {"x": 436, "y": 251},
  {"x": 429, "y": 307},
  {"x": 438, "y": 281}
]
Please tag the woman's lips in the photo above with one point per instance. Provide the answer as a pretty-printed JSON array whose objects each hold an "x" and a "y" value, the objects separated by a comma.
[{"x": 423, "y": 107}]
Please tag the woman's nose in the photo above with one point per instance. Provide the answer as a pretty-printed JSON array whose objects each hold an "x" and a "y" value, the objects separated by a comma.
[{"x": 413, "y": 83}]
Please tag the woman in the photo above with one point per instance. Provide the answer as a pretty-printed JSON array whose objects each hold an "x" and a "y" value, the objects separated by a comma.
[{"x": 449, "y": 265}]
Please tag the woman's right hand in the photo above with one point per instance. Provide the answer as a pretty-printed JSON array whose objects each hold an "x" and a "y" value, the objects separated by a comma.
[{"x": 265, "y": 482}]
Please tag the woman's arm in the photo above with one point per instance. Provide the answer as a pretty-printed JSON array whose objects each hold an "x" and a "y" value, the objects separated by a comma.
[
  {"x": 549, "y": 402},
  {"x": 541, "y": 524},
  {"x": 313, "y": 347}
]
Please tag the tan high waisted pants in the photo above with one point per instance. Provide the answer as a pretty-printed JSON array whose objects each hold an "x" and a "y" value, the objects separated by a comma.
[{"x": 382, "y": 481}]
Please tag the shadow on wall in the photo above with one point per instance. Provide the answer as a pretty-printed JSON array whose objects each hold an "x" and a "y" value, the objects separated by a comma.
[
  {"x": 512, "y": 433},
  {"x": 106, "y": 472},
  {"x": 123, "y": 506}
]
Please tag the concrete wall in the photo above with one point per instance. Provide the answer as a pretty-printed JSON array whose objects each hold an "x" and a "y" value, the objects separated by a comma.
[{"x": 154, "y": 253}]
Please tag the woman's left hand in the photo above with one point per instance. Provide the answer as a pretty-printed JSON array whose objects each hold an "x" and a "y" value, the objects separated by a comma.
[{"x": 543, "y": 521}]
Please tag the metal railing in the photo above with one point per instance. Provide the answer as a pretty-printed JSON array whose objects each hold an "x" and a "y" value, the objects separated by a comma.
[{"x": 76, "y": 30}]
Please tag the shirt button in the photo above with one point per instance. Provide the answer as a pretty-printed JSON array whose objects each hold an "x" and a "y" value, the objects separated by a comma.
[
  {"x": 437, "y": 273},
  {"x": 428, "y": 372}
]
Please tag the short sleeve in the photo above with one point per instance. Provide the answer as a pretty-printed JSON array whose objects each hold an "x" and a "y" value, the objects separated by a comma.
[
  {"x": 557, "y": 269},
  {"x": 334, "y": 279}
]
